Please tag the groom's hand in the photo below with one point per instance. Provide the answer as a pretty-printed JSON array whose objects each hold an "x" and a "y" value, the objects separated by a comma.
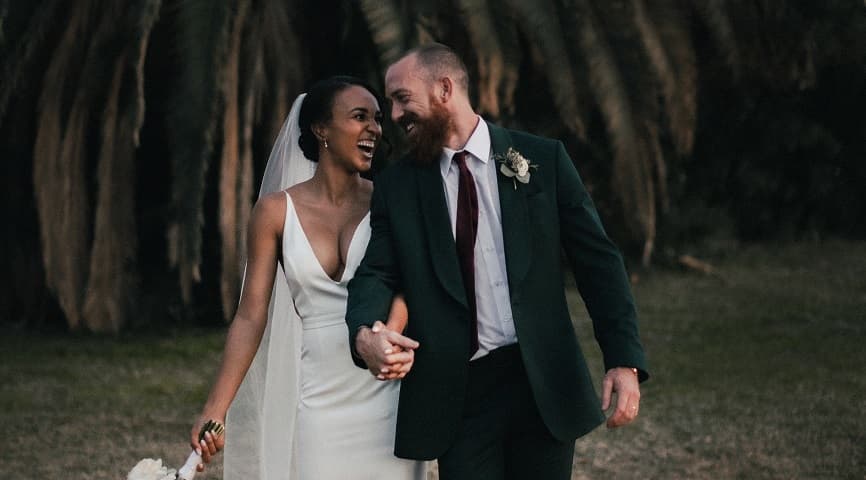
[
  {"x": 388, "y": 355},
  {"x": 624, "y": 382}
]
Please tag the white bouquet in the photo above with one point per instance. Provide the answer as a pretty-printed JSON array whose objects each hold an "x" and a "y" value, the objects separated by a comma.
[{"x": 150, "y": 469}]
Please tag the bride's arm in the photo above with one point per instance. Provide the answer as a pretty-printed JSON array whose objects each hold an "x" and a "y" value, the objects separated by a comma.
[
  {"x": 398, "y": 315},
  {"x": 398, "y": 319},
  {"x": 248, "y": 325}
]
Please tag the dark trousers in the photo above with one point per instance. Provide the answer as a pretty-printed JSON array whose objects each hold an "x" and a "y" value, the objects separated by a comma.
[{"x": 502, "y": 434}]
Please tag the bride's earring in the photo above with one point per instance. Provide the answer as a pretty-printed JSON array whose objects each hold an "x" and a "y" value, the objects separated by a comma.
[{"x": 326, "y": 142}]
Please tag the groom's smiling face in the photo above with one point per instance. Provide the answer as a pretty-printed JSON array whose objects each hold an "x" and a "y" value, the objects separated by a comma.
[
  {"x": 409, "y": 90},
  {"x": 416, "y": 109}
]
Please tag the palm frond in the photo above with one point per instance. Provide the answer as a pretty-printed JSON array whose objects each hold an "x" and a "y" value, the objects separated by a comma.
[
  {"x": 715, "y": 17},
  {"x": 539, "y": 22},
  {"x": 284, "y": 61},
  {"x": 428, "y": 22},
  {"x": 668, "y": 46},
  {"x": 512, "y": 56},
  {"x": 632, "y": 143},
  {"x": 387, "y": 29},
  {"x": 19, "y": 63},
  {"x": 491, "y": 64}
]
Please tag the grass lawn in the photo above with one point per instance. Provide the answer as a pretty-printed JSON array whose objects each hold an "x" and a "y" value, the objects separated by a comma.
[{"x": 757, "y": 372}]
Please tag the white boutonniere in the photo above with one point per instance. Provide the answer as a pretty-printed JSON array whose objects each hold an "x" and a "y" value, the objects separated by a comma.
[{"x": 515, "y": 166}]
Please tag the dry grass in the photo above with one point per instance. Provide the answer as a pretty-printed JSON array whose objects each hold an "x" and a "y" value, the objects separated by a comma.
[{"x": 757, "y": 373}]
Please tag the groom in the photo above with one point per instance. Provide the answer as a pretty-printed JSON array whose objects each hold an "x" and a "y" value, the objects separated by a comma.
[{"x": 469, "y": 227}]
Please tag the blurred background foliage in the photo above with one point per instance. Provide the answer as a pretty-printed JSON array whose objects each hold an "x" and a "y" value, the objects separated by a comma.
[{"x": 134, "y": 134}]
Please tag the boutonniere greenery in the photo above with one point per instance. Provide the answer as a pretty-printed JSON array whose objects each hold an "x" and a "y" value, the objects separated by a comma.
[{"x": 515, "y": 166}]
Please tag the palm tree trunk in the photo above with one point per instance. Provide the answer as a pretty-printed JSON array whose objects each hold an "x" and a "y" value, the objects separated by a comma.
[
  {"x": 231, "y": 169},
  {"x": 113, "y": 278},
  {"x": 203, "y": 42},
  {"x": 58, "y": 170}
]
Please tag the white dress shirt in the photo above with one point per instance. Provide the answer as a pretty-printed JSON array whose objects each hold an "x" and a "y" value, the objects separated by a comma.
[{"x": 493, "y": 301}]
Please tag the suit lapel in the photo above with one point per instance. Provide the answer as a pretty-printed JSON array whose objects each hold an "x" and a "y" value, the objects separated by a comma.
[
  {"x": 515, "y": 216},
  {"x": 438, "y": 224}
]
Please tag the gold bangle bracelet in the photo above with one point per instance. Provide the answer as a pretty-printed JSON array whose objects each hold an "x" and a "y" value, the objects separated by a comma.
[{"x": 214, "y": 427}]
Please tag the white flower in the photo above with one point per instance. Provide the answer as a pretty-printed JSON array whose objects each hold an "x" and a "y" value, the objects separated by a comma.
[
  {"x": 522, "y": 167},
  {"x": 150, "y": 469},
  {"x": 515, "y": 166}
]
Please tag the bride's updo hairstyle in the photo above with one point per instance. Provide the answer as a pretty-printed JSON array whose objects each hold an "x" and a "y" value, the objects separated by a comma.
[{"x": 318, "y": 106}]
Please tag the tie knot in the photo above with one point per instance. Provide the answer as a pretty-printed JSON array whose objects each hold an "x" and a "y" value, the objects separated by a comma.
[{"x": 460, "y": 158}]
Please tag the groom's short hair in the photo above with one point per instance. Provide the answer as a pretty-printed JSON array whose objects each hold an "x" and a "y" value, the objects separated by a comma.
[{"x": 440, "y": 60}]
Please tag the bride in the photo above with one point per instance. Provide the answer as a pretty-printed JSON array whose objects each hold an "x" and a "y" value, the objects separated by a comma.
[{"x": 300, "y": 409}]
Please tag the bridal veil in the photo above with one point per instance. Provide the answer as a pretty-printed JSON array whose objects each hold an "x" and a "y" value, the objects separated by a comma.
[{"x": 260, "y": 424}]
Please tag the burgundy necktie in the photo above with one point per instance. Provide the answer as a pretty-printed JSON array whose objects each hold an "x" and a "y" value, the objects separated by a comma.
[{"x": 466, "y": 231}]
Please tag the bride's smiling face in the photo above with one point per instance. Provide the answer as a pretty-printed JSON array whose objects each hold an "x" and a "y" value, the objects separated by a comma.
[{"x": 354, "y": 129}]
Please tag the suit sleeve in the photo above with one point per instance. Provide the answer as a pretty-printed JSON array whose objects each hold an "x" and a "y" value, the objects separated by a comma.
[
  {"x": 375, "y": 281},
  {"x": 598, "y": 271}
]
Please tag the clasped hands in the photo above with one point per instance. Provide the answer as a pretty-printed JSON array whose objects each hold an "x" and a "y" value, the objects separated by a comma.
[{"x": 388, "y": 354}]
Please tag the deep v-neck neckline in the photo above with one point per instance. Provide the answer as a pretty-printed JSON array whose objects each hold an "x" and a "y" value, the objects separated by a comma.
[{"x": 300, "y": 225}]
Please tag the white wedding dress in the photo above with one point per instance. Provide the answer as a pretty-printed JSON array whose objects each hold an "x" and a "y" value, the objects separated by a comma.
[
  {"x": 304, "y": 411},
  {"x": 345, "y": 422}
]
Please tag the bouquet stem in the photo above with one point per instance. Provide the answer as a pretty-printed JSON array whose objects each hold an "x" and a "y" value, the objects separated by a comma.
[{"x": 187, "y": 471}]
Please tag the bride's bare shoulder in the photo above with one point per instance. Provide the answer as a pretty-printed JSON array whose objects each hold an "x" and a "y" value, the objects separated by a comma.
[{"x": 269, "y": 212}]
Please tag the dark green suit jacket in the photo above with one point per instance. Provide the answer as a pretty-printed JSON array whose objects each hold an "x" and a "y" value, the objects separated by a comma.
[{"x": 412, "y": 250}]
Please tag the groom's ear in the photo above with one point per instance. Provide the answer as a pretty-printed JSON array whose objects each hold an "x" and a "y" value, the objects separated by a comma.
[{"x": 446, "y": 87}]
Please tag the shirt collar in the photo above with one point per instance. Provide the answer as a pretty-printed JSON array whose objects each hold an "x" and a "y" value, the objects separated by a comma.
[{"x": 478, "y": 145}]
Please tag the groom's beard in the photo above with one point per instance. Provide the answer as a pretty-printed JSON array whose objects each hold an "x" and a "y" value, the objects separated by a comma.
[{"x": 429, "y": 135}]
